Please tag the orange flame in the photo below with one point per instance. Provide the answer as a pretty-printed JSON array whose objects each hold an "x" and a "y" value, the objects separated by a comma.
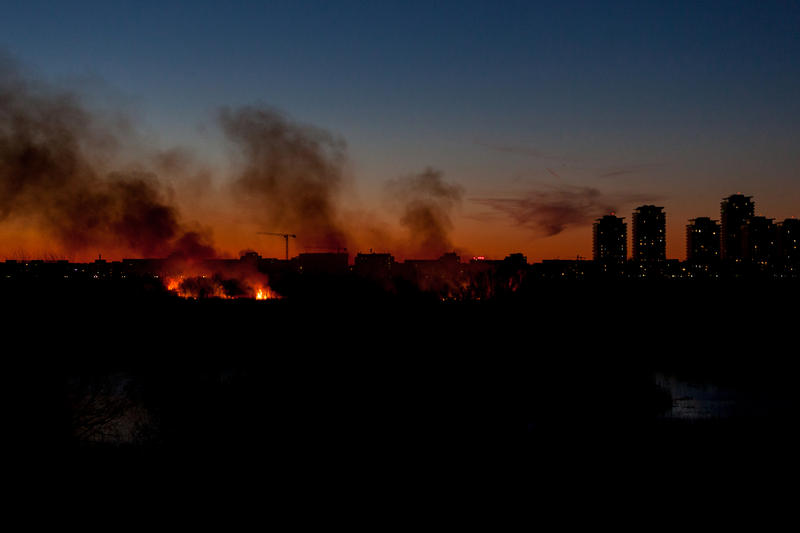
[
  {"x": 265, "y": 293},
  {"x": 208, "y": 287}
]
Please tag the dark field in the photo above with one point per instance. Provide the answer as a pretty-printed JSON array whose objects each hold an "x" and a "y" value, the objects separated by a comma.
[{"x": 113, "y": 368}]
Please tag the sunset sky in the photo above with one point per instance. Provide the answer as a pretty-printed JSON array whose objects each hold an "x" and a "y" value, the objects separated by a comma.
[{"x": 544, "y": 115}]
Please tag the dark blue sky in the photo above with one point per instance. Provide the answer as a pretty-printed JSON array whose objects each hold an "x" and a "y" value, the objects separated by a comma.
[{"x": 684, "y": 102}]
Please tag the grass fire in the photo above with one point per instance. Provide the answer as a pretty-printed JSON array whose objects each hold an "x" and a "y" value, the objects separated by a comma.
[{"x": 218, "y": 286}]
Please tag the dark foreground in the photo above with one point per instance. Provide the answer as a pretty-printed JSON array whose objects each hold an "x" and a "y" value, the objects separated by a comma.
[{"x": 113, "y": 370}]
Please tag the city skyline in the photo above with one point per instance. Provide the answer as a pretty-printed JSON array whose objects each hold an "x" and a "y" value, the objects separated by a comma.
[
  {"x": 651, "y": 251},
  {"x": 730, "y": 232},
  {"x": 518, "y": 108}
]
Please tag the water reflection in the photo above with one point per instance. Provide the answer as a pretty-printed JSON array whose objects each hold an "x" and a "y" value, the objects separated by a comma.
[{"x": 705, "y": 401}]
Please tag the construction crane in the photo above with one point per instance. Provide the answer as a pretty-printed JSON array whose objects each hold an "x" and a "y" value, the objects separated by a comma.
[{"x": 285, "y": 237}]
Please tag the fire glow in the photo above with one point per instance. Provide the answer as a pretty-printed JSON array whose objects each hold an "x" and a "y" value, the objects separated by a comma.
[{"x": 215, "y": 286}]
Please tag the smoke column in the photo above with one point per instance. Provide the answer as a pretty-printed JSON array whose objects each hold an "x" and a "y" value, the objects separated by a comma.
[
  {"x": 48, "y": 179},
  {"x": 426, "y": 203},
  {"x": 66, "y": 186},
  {"x": 551, "y": 211},
  {"x": 289, "y": 176}
]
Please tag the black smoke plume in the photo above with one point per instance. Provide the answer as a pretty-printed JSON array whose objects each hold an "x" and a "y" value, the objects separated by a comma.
[
  {"x": 290, "y": 175},
  {"x": 49, "y": 175},
  {"x": 426, "y": 202},
  {"x": 551, "y": 211}
]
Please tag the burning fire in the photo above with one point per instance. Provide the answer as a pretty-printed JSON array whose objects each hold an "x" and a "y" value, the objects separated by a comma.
[
  {"x": 173, "y": 284},
  {"x": 265, "y": 294},
  {"x": 204, "y": 286}
]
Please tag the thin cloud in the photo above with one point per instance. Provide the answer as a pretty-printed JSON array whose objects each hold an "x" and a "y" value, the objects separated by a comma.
[
  {"x": 575, "y": 163},
  {"x": 621, "y": 171},
  {"x": 553, "y": 172},
  {"x": 521, "y": 150}
]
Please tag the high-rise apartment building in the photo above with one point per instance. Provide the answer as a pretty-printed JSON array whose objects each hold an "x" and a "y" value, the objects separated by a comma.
[
  {"x": 759, "y": 240},
  {"x": 702, "y": 240},
  {"x": 789, "y": 242},
  {"x": 610, "y": 239},
  {"x": 649, "y": 234},
  {"x": 735, "y": 210}
]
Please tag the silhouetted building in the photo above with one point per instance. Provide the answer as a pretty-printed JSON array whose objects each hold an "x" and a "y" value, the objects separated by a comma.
[
  {"x": 443, "y": 275},
  {"x": 516, "y": 260},
  {"x": 450, "y": 259},
  {"x": 735, "y": 210},
  {"x": 702, "y": 241},
  {"x": 649, "y": 234},
  {"x": 481, "y": 264},
  {"x": 323, "y": 263},
  {"x": 610, "y": 239},
  {"x": 144, "y": 267},
  {"x": 250, "y": 258},
  {"x": 789, "y": 242},
  {"x": 564, "y": 269},
  {"x": 448, "y": 263},
  {"x": 371, "y": 265},
  {"x": 759, "y": 240}
]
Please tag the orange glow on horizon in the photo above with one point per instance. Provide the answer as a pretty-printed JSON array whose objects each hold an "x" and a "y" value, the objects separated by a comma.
[{"x": 470, "y": 238}]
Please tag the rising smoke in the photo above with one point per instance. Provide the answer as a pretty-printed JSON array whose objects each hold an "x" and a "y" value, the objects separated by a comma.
[
  {"x": 65, "y": 180},
  {"x": 551, "y": 211},
  {"x": 426, "y": 203},
  {"x": 289, "y": 176},
  {"x": 49, "y": 176}
]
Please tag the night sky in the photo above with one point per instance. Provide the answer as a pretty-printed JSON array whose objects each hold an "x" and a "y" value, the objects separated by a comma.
[{"x": 545, "y": 115}]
